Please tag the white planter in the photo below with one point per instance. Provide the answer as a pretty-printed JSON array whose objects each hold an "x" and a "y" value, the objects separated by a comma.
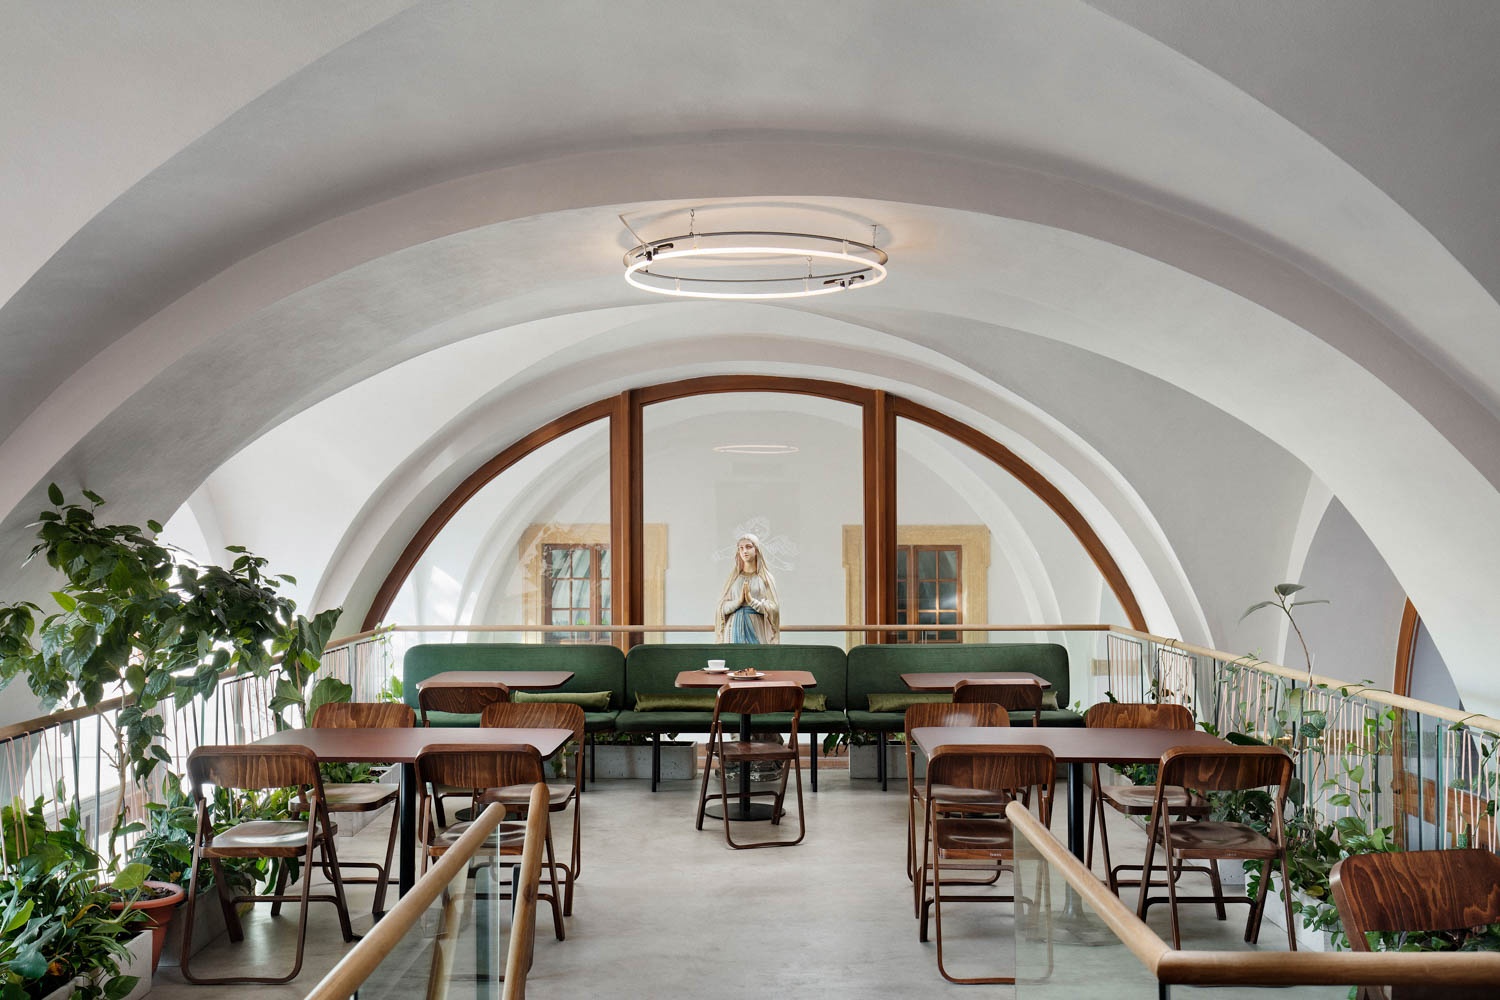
[
  {"x": 138, "y": 965},
  {"x": 1276, "y": 915},
  {"x": 350, "y": 824},
  {"x": 1232, "y": 872},
  {"x": 613, "y": 760},
  {"x": 863, "y": 760},
  {"x": 208, "y": 925}
]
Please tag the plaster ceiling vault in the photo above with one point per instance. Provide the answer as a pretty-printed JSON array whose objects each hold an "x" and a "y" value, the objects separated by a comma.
[{"x": 1206, "y": 264}]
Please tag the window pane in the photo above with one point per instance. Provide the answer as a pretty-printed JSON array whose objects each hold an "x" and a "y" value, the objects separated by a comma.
[
  {"x": 499, "y": 560},
  {"x": 948, "y": 564},
  {"x": 581, "y": 591},
  {"x": 926, "y": 595},
  {"x": 901, "y": 551},
  {"x": 604, "y": 563},
  {"x": 581, "y": 562},
  {"x": 927, "y": 564},
  {"x": 782, "y": 466},
  {"x": 948, "y": 596}
]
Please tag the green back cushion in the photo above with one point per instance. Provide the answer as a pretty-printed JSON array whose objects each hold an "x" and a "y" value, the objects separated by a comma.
[
  {"x": 900, "y": 701},
  {"x": 703, "y": 701},
  {"x": 875, "y": 669},
  {"x": 595, "y": 667},
  {"x": 589, "y": 701},
  {"x": 653, "y": 668}
]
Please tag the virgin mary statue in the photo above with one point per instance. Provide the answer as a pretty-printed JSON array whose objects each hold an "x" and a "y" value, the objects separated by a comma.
[{"x": 748, "y": 610}]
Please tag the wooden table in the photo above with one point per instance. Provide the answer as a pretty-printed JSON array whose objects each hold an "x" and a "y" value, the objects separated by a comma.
[
  {"x": 1074, "y": 747},
  {"x": 947, "y": 682},
  {"x": 401, "y": 746},
  {"x": 743, "y": 809},
  {"x": 533, "y": 680}
]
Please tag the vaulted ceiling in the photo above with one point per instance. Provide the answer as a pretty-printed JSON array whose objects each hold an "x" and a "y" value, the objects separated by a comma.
[{"x": 1265, "y": 238}]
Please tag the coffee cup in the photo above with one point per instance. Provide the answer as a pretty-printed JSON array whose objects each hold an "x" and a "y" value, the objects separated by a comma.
[{"x": 716, "y": 666}]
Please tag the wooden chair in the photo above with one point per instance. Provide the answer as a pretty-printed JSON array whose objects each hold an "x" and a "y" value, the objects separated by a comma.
[
  {"x": 479, "y": 767},
  {"x": 1450, "y": 891},
  {"x": 1013, "y": 696},
  {"x": 1219, "y": 769},
  {"x": 355, "y": 797},
  {"x": 233, "y": 768},
  {"x": 1136, "y": 800},
  {"x": 922, "y": 716},
  {"x": 546, "y": 715},
  {"x": 760, "y": 699},
  {"x": 458, "y": 701},
  {"x": 1009, "y": 771}
]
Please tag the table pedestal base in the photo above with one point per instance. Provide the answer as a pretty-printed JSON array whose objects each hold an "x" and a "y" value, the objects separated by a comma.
[{"x": 741, "y": 812}]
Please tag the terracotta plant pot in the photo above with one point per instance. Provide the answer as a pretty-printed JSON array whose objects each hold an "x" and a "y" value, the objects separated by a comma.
[{"x": 158, "y": 912}]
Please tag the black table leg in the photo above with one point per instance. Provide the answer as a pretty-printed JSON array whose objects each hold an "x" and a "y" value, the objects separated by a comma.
[
  {"x": 743, "y": 808},
  {"x": 1075, "y": 809},
  {"x": 408, "y": 846}
]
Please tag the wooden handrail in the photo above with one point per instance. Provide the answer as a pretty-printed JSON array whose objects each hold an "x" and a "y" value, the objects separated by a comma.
[
  {"x": 379, "y": 941},
  {"x": 1249, "y": 968},
  {"x": 1369, "y": 693}
]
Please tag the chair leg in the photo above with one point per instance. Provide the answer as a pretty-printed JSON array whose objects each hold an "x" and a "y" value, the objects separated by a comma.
[
  {"x": 1257, "y": 908},
  {"x": 919, "y": 887},
  {"x": 1286, "y": 899},
  {"x": 880, "y": 760},
  {"x": 281, "y": 876},
  {"x": 1088, "y": 853},
  {"x": 1213, "y": 877},
  {"x": 1171, "y": 888},
  {"x": 187, "y": 921},
  {"x": 1145, "y": 894},
  {"x": 575, "y": 866},
  {"x": 655, "y": 760},
  {"x": 226, "y": 902},
  {"x": 557, "y": 924},
  {"x": 390, "y": 854},
  {"x": 331, "y": 855},
  {"x": 708, "y": 769},
  {"x": 812, "y": 758}
]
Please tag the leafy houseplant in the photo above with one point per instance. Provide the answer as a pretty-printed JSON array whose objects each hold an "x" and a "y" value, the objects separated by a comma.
[
  {"x": 132, "y": 617},
  {"x": 56, "y": 926}
]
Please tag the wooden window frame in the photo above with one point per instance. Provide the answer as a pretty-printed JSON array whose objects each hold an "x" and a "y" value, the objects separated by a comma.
[
  {"x": 597, "y": 583},
  {"x": 914, "y": 580}
]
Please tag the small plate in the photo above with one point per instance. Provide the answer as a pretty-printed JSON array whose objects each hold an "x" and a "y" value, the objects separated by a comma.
[
  {"x": 748, "y": 677},
  {"x": 716, "y": 670}
]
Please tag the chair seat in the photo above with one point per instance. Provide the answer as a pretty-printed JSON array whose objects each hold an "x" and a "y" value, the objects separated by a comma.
[
  {"x": 1219, "y": 840},
  {"x": 263, "y": 839},
  {"x": 520, "y": 796},
  {"x": 758, "y": 751},
  {"x": 358, "y": 797},
  {"x": 507, "y": 838},
  {"x": 970, "y": 798},
  {"x": 972, "y": 838},
  {"x": 1136, "y": 800}
]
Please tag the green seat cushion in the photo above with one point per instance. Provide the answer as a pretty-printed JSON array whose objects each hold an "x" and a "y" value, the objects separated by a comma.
[
  {"x": 900, "y": 701},
  {"x": 589, "y": 701},
  {"x": 1050, "y": 717},
  {"x": 703, "y": 701},
  {"x": 877, "y": 722},
  {"x": 599, "y": 722},
  {"x": 822, "y": 722},
  {"x": 664, "y": 722}
]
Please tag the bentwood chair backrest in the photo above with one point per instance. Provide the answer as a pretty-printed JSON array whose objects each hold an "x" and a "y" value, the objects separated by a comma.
[
  {"x": 534, "y": 715},
  {"x": 480, "y": 766},
  {"x": 1011, "y": 769},
  {"x": 364, "y": 715},
  {"x": 460, "y": 700},
  {"x": 928, "y": 714},
  {"x": 254, "y": 768},
  {"x": 1126, "y": 715},
  {"x": 1443, "y": 890},
  {"x": 1227, "y": 769},
  {"x": 760, "y": 699},
  {"x": 1011, "y": 695}
]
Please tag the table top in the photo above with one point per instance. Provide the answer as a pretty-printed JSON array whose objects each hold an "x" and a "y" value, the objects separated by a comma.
[
  {"x": 704, "y": 679},
  {"x": 947, "y": 682},
  {"x": 401, "y": 746},
  {"x": 535, "y": 679},
  {"x": 1071, "y": 746}
]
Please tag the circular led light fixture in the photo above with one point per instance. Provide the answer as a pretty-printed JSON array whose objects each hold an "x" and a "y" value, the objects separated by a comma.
[
  {"x": 753, "y": 264},
  {"x": 755, "y": 449}
]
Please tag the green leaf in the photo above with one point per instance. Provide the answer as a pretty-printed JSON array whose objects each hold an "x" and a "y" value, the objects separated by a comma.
[
  {"x": 64, "y": 601},
  {"x": 329, "y": 689},
  {"x": 155, "y": 526},
  {"x": 54, "y": 494},
  {"x": 1298, "y": 604},
  {"x": 1286, "y": 589},
  {"x": 1256, "y": 607},
  {"x": 1341, "y": 799},
  {"x": 132, "y": 877}
]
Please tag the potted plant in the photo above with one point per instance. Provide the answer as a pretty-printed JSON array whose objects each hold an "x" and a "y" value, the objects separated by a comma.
[{"x": 58, "y": 935}]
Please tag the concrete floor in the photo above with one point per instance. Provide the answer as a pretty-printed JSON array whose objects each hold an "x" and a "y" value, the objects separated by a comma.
[{"x": 665, "y": 911}]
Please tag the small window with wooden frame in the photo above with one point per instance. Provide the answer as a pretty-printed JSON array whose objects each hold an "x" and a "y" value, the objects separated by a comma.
[
  {"x": 576, "y": 590},
  {"x": 929, "y": 591}
]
